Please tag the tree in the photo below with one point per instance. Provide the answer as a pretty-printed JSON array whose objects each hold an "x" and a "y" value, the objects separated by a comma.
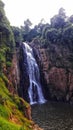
[
  {"x": 7, "y": 40},
  {"x": 59, "y": 21},
  {"x": 27, "y": 25},
  {"x": 45, "y": 28},
  {"x": 62, "y": 13},
  {"x": 70, "y": 19},
  {"x": 40, "y": 26},
  {"x": 26, "y": 29},
  {"x": 17, "y": 35},
  {"x": 52, "y": 35}
]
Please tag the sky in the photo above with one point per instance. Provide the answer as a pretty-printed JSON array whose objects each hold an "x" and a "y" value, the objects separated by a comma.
[{"x": 18, "y": 11}]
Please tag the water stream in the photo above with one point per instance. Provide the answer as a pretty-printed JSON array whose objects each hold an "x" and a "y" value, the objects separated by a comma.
[{"x": 35, "y": 89}]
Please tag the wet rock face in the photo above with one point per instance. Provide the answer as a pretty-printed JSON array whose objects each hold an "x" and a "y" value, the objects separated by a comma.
[
  {"x": 18, "y": 76},
  {"x": 24, "y": 78},
  {"x": 58, "y": 82},
  {"x": 56, "y": 76},
  {"x": 71, "y": 80},
  {"x": 13, "y": 75}
]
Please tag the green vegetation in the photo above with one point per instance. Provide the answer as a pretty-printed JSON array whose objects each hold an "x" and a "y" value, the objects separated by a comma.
[
  {"x": 56, "y": 38},
  {"x": 12, "y": 107},
  {"x": 12, "y": 111},
  {"x": 5, "y": 125},
  {"x": 17, "y": 35},
  {"x": 6, "y": 39}
]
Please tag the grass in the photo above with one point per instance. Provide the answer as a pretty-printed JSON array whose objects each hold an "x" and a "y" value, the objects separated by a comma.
[
  {"x": 12, "y": 110},
  {"x": 6, "y": 125},
  {"x": 3, "y": 112}
]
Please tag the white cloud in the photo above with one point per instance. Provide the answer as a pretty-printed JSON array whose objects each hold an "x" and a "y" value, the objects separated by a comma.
[{"x": 19, "y": 10}]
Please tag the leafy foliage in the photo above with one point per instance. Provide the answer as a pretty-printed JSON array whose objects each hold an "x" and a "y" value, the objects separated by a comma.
[
  {"x": 6, "y": 38},
  {"x": 17, "y": 35}
]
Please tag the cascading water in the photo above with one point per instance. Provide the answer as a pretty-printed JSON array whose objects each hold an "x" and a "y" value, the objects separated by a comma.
[{"x": 35, "y": 90}]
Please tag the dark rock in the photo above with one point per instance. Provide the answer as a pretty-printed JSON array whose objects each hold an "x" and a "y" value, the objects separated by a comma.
[
  {"x": 56, "y": 72},
  {"x": 24, "y": 77}
]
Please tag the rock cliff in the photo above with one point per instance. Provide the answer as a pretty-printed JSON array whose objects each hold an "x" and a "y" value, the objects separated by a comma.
[
  {"x": 56, "y": 71},
  {"x": 20, "y": 110},
  {"x": 24, "y": 77}
]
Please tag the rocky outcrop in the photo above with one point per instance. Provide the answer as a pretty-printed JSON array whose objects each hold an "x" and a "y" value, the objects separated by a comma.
[
  {"x": 14, "y": 74},
  {"x": 36, "y": 127},
  {"x": 56, "y": 73},
  {"x": 58, "y": 78},
  {"x": 28, "y": 113},
  {"x": 24, "y": 77}
]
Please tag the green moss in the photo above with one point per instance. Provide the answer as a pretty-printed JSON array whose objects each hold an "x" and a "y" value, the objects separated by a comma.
[
  {"x": 3, "y": 112},
  {"x": 8, "y": 64},
  {"x": 5, "y": 79},
  {"x": 20, "y": 101},
  {"x": 3, "y": 90},
  {"x": 12, "y": 108},
  {"x": 6, "y": 125}
]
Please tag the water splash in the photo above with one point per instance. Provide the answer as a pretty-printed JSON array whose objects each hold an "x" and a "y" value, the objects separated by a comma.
[{"x": 35, "y": 90}]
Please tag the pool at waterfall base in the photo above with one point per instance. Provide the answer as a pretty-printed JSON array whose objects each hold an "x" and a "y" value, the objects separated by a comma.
[{"x": 53, "y": 115}]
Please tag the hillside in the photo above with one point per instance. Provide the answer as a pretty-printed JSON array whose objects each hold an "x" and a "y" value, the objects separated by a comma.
[{"x": 15, "y": 113}]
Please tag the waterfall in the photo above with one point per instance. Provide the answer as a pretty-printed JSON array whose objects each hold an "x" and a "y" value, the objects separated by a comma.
[{"x": 35, "y": 90}]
